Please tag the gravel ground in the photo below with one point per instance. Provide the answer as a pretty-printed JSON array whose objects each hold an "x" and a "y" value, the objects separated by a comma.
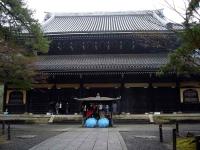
[
  {"x": 24, "y": 137},
  {"x": 146, "y": 137},
  {"x": 136, "y": 137},
  {"x": 135, "y": 141}
]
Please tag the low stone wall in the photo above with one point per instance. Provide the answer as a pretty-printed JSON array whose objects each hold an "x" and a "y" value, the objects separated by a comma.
[
  {"x": 131, "y": 118},
  {"x": 26, "y": 118},
  {"x": 67, "y": 119},
  {"x": 172, "y": 118},
  {"x": 122, "y": 118}
]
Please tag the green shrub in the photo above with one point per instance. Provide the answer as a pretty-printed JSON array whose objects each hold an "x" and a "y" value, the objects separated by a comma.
[{"x": 186, "y": 143}]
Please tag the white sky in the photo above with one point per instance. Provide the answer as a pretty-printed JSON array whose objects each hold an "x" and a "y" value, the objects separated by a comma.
[{"x": 42, "y": 6}]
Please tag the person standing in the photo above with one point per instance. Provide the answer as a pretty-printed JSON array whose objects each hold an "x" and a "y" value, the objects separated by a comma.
[
  {"x": 67, "y": 108},
  {"x": 114, "y": 108},
  {"x": 57, "y": 108},
  {"x": 84, "y": 110},
  {"x": 107, "y": 109},
  {"x": 100, "y": 110},
  {"x": 60, "y": 107}
]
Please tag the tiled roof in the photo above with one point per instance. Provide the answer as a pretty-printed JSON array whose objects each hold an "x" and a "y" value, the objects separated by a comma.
[
  {"x": 105, "y": 22},
  {"x": 106, "y": 62}
]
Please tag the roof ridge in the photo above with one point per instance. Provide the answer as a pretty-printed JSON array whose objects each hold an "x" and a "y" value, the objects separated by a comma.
[
  {"x": 106, "y": 55},
  {"x": 105, "y": 21},
  {"x": 102, "y": 13}
]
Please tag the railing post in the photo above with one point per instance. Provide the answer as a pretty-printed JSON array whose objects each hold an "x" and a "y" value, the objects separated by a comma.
[
  {"x": 160, "y": 132},
  {"x": 177, "y": 127},
  {"x": 9, "y": 137},
  {"x": 174, "y": 138},
  {"x": 197, "y": 139},
  {"x": 3, "y": 127}
]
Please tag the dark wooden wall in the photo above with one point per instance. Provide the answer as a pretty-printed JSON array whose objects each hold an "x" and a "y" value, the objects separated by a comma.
[
  {"x": 134, "y": 100},
  {"x": 112, "y": 43}
]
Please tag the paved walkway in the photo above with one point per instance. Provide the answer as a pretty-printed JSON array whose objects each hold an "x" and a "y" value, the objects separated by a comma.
[{"x": 84, "y": 139}]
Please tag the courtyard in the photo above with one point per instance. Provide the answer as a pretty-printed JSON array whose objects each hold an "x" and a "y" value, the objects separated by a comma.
[{"x": 73, "y": 136}]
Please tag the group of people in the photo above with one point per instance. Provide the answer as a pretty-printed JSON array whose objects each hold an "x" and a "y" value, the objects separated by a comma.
[
  {"x": 96, "y": 110},
  {"x": 59, "y": 108}
]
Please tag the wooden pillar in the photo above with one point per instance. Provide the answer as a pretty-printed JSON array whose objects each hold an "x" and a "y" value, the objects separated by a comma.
[
  {"x": 25, "y": 101},
  {"x": 178, "y": 102},
  {"x": 122, "y": 101},
  {"x": 151, "y": 92},
  {"x": 118, "y": 94},
  {"x": 28, "y": 101},
  {"x": 81, "y": 86},
  {"x": 4, "y": 97}
]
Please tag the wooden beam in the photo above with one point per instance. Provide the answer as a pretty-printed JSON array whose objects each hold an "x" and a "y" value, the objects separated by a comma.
[
  {"x": 75, "y": 86},
  {"x": 49, "y": 86},
  {"x": 132, "y": 85},
  {"x": 101, "y": 85},
  {"x": 58, "y": 86},
  {"x": 190, "y": 84},
  {"x": 170, "y": 84}
]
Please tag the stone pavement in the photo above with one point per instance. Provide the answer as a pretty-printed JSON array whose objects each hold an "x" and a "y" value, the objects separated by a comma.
[{"x": 84, "y": 139}]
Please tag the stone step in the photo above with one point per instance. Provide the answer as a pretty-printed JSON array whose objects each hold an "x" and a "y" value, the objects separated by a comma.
[
  {"x": 130, "y": 121},
  {"x": 116, "y": 119},
  {"x": 51, "y": 119}
]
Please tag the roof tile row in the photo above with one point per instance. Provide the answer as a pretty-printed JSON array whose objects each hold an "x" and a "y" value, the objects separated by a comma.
[
  {"x": 108, "y": 62},
  {"x": 107, "y": 22}
]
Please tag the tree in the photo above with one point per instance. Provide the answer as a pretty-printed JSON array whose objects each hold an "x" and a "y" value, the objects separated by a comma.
[
  {"x": 186, "y": 58},
  {"x": 20, "y": 38}
]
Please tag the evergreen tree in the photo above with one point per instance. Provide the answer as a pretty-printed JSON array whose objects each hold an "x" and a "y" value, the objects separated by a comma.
[
  {"x": 20, "y": 39},
  {"x": 186, "y": 58}
]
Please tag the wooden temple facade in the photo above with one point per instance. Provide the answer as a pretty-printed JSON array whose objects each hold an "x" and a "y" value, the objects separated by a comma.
[{"x": 114, "y": 54}]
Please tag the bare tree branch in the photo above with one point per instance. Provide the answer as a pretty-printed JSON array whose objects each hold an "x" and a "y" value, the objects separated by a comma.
[{"x": 174, "y": 9}]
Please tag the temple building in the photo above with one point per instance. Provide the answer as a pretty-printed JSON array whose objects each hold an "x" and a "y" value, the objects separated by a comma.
[{"x": 115, "y": 54}]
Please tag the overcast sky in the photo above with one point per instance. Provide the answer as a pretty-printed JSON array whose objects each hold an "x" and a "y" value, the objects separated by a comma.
[{"x": 42, "y": 6}]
